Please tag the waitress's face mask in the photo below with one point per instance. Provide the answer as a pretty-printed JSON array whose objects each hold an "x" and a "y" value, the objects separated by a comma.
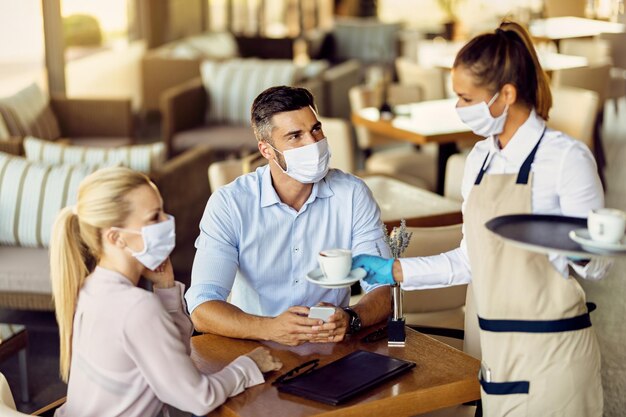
[{"x": 479, "y": 119}]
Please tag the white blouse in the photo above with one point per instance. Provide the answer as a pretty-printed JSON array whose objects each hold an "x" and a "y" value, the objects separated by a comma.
[
  {"x": 565, "y": 182},
  {"x": 130, "y": 354}
]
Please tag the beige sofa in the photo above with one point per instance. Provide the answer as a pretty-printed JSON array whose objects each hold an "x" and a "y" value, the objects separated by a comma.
[
  {"x": 179, "y": 61},
  {"x": 184, "y": 110},
  {"x": 24, "y": 272}
]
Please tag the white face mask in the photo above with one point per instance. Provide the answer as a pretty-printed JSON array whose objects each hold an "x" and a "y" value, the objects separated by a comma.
[
  {"x": 306, "y": 164},
  {"x": 479, "y": 118},
  {"x": 159, "y": 240}
]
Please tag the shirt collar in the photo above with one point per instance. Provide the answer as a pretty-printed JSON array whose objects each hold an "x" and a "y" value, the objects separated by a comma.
[
  {"x": 522, "y": 142},
  {"x": 105, "y": 275},
  {"x": 269, "y": 196}
]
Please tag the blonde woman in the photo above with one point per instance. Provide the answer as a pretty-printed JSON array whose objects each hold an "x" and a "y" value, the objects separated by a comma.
[{"x": 124, "y": 350}]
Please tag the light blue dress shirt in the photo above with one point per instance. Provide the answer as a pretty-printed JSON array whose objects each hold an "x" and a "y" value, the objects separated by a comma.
[{"x": 261, "y": 249}]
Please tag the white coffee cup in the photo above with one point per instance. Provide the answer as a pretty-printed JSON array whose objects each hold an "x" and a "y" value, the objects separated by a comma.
[
  {"x": 335, "y": 263},
  {"x": 606, "y": 225}
]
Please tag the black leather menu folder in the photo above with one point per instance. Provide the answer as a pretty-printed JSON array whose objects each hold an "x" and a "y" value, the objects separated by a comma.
[{"x": 347, "y": 377}]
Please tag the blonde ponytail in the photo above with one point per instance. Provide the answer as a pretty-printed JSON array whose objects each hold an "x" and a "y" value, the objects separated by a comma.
[
  {"x": 76, "y": 242},
  {"x": 68, "y": 270}
]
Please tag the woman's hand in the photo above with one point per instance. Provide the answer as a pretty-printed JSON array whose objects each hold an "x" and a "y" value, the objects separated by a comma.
[
  {"x": 264, "y": 360},
  {"x": 162, "y": 277},
  {"x": 379, "y": 270}
]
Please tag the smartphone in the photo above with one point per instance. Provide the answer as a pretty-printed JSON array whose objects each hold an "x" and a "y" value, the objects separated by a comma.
[{"x": 321, "y": 312}]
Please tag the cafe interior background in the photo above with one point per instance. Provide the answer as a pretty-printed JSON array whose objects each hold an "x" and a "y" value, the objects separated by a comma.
[{"x": 96, "y": 73}]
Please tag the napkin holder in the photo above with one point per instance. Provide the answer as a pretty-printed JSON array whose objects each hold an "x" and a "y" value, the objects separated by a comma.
[{"x": 395, "y": 325}]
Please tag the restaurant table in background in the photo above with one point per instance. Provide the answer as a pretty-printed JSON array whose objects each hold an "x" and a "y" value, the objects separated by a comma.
[
  {"x": 418, "y": 207},
  {"x": 568, "y": 27},
  {"x": 443, "y": 377},
  {"x": 550, "y": 61},
  {"x": 433, "y": 121}
]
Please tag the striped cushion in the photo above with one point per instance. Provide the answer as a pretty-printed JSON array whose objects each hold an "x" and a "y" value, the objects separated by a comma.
[
  {"x": 142, "y": 158},
  {"x": 31, "y": 195},
  {"x": 28, "y": 112},
  {"x": 233, "y": 85}
]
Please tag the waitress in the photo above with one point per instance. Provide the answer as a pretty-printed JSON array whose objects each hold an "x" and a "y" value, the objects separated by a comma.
[{"x": 540, "y": 354}]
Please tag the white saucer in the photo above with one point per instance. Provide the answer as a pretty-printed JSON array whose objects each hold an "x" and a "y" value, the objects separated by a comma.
[
  {"x": 582, "y": 237},
  {"x": 317, "y": 277}
]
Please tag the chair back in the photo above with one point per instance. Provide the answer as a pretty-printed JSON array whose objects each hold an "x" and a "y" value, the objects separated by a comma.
[
  {"x": 574, "y": 113},
  {"x": 617, "y": 42},
  {"x": 427, "y": 241},
  {"x": 558, "y": 8},
  {"x": 597, "y": 51},
  {"x": 225, "y": 172},
  {"x": 595, "y": 78},
  {"x": 442, "y": 307},
  {"x": 431, "y": 80},
  {"x": 362, "y": 96},
  {"x": 455, "y": 168},
  {"x": 339, "y": 135},
  {"x": 7, "y": 405}
]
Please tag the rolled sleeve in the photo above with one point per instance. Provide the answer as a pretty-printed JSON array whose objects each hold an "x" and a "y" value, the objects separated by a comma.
[
  {"x": 216, "y": 260},
  {"x": 367, "y": 229}
]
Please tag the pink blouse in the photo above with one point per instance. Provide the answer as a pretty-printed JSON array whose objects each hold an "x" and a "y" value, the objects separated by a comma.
[{"x": 130, "y": 354}]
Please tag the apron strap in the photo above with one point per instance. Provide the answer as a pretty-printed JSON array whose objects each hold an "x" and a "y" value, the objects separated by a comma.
[
  {"x": 538, "y": 326},
  {"x": 524, "y": 172},
  {"x": 479, "y": 178}
]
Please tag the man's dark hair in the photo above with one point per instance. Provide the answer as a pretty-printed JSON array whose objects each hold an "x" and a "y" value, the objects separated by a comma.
[{"x": 276, "y": 100}]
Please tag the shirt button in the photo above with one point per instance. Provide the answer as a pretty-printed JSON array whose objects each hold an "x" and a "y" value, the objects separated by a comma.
[{"x": 296, "y": 249}]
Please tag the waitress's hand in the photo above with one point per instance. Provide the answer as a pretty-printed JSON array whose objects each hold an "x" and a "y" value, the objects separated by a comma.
[
  {"x": 379, "y": 270},
  {"x": 595, "y": 269},
  {"x": 162, "y": 276}
]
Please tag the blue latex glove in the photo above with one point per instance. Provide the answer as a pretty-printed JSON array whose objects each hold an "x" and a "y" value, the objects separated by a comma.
[{"x": 379, "y": 270}]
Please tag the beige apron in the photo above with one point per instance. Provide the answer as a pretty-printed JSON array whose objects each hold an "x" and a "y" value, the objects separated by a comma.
[{"x": 536, "y": 336}]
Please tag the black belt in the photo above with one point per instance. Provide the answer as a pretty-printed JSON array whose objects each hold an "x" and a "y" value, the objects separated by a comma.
[{"x": 538, "y": 326}]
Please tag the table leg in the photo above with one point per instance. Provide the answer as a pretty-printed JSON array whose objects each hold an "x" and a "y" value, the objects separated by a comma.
[
  {"x": 445, "y": 151},
  {"x": 24, "y": 375}
]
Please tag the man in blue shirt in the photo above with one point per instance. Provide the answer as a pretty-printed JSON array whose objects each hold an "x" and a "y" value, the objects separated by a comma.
[{"x": 261, "y": 235}]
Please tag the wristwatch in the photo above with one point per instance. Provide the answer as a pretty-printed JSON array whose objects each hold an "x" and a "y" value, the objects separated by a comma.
[{"x": 354, "y": 324}]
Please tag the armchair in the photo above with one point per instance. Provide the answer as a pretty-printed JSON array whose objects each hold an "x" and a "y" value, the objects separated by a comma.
[
  {"x": 94, "y": 122},
  {"x": 90, "y": 122},
  {"x": 184, "y": 124},
  {"x": 24, "y": 271}
]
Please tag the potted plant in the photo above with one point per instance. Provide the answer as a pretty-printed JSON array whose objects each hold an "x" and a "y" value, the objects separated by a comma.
[{"x": 449, "y": 7}]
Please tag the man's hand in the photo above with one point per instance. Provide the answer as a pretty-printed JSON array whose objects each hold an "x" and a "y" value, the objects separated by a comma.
[
  {"x": 293, "y": 327},
  {"x": 335, "y": 329}
]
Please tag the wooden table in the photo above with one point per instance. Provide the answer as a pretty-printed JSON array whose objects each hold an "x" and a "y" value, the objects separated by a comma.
[
  {"x": 420, "y": 208},
  {"x": 443, "y": 377},
  {"x": 433, "y": 121},
  {"x": 569, "y": 27}
]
